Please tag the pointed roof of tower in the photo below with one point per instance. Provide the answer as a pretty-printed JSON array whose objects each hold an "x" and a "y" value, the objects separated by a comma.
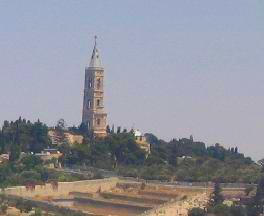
[{"x": 95, "y": 59}]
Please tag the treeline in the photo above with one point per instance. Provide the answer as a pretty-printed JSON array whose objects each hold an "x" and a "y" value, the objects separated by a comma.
[
  {"x": 182, "y": 160},
  {"x": 187, "y": 160},
  {"x": 116, "y": 149},
  {"x": 179, "y": 159},
  {"x": 190, "y": 148},
  {"x": 23, "y": 136},
  {"x": 30, "y": 171},
  {"x": 26, "y": 169}
]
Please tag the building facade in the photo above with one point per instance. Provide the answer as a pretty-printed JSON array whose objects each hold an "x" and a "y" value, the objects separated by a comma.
[
  {"x": 93, "y": 114},
  {"x": 142, "y": 142},
  {"x": 59, "y": 137}
]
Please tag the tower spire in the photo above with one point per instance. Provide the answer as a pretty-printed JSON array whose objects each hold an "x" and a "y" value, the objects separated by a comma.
[
  {"x": 94, "y": 115},
  {"x": 95, "y": 59},
  {"x": 95, "y": 40}
]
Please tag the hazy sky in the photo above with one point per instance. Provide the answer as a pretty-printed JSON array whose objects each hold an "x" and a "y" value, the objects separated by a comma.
[{"x": 173, "y": 68}]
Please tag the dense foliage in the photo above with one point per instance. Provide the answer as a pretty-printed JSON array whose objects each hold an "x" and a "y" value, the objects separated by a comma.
[
  {"x": 23, "y": 136},
  {"x": 196, "y": 212},
  {"x": 216, "y": 197},
  {"x": 187, "y": 160},
  {"x": 114, "y": 150},
  {"x": 217, "y": 207},
  {"x": 30, "y": 171},
  {"x": 181, "y": 160}
]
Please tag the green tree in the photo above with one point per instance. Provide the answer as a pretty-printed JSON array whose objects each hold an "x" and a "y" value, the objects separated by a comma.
[
  {"x": 39, "y": 137},
  {"x": 83, "y": 129},
  {"x": 238, "y": 211},
  {"x": 259, "y": 198},
  {"x": 216, "y": 196},
  {"x": 23, "y": 206},
  {"x": 220, "y": 210},
  {"x": 3, "y": 208},
  {"x": 28, "y": 136},
  {"x": 15, "y": 152},
  {"x": 31, "y": 161},
  {"x": 38, "y": 212},
  {"x": 196, "y": 212}
]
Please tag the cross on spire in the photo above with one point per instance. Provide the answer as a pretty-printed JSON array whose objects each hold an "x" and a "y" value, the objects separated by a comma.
[{"x": 95, "y": 40}]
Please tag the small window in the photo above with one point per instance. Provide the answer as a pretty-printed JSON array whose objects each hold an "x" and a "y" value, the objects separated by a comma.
[
  {"x": 98, "y": 121},
  {"x": 98, "y": 102},
  {"x": 90, "y": 82},
  {"x": 88, "y": 124},
  {"x": 98, "y": 83},
  {"x": 89, "y": 104}
]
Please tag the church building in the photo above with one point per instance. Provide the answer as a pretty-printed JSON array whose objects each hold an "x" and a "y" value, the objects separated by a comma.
[{"x": 93, "y": 114}]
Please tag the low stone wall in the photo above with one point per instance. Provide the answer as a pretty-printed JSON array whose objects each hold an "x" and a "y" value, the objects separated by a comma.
[
  {"x": 63, "y": 188},
  {"x": 163, "y": 189},
  {"x": 135, "y": 198},
  {"x": 47, "y": 206},
  {"x": 113, "y": 204}
]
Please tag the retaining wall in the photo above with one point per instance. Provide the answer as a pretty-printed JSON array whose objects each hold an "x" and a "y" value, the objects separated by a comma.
[{"x": 63, "y": 188}]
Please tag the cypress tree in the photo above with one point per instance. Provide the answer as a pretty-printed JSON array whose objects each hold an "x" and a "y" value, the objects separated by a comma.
[{"x": 216, "y": 197}]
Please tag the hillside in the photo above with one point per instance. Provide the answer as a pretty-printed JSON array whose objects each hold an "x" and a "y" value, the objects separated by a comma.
[{"x": 179, "y": 159}]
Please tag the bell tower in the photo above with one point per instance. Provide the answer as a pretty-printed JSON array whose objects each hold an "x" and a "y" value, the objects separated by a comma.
[{"x": 93, "y": 102}]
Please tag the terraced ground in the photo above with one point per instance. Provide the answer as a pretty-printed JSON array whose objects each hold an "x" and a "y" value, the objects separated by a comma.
[
  {"x": 119, "y": 197},
  {"x": 127, "y": 199}
]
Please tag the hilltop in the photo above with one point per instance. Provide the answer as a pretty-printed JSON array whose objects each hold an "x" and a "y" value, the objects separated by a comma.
[{"x": 178, "y": 160}]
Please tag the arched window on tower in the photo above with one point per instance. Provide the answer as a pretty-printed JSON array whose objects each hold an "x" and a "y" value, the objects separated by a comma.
[
  {"x": 98, "y": 83},
  {"x": 89, "y": 125},
  {"x": 98, "y": 102},
  {"x": 89, "y": 104},
  {"x": 98, "y": 121},
  {"x": 90, "y": 82}
]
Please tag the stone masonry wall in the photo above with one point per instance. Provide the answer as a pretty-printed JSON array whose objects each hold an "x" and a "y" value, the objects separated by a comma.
[{"x": 63, "y": 188}]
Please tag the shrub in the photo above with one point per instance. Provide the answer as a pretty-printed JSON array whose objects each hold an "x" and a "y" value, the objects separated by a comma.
[{"x": 196, "y": 212}]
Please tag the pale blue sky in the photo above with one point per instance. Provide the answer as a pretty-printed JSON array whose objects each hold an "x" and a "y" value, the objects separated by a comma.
[{"x": 174, "y": 68}]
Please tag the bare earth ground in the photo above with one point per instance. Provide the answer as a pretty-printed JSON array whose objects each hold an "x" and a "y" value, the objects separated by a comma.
[{"x": 128, "y": 198}]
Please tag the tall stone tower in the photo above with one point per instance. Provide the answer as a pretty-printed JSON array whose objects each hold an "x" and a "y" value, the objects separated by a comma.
[{"x": 93, "y": 102}]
